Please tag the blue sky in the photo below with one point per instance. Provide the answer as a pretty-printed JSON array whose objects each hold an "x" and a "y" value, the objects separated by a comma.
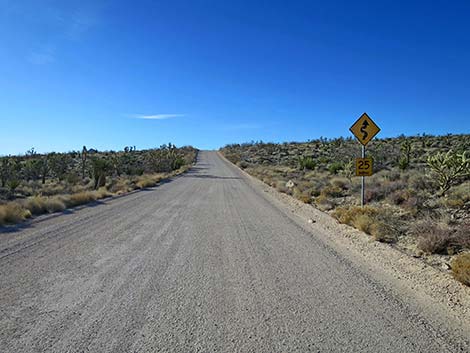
[{"x": 107, "y": 74}]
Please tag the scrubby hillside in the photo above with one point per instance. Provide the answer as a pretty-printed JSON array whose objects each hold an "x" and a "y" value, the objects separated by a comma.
[
  {"x": 40, "y": 183},
  {"x": 418, "y": 197}
]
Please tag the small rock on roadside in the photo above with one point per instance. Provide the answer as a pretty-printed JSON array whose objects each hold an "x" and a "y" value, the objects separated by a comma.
[
  {"x": 445, "y": 266},
  {"x": 290, "y": 184},
  {"x": 311, "y": 220}
]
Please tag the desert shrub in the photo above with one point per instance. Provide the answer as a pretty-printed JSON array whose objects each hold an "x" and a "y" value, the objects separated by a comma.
[
  {"x": 392, "y": 175},
  {"x": 13, "y": 212},
  {"x": 364, "y": 223},
  {"x": 307, "y": 163},
  {"x": 331, "y": 191},
  {"x": 420, "y": 181},
  {"x": 379, "y": 188},
  {"x": 13, "y": 184},
  {"x": 373, "y": 194},
  {"x": 51, "y": 189},
  {"x": 72, "y": 178},
  {"x": 462, "y": 235},
  {"x": 403, "y": 163},
  {"x": 458, "y": 196},
  {"x": 460, "y": 266},
  {"x": 243, "y": 164},
  {"x": 370, "y": 220},
  {"x": 406, "y": 198},
  {"x": 304, "y": 198},
  {"x": 341, "y": 183},
  {"x": 383, "y": 232},
  {"x": 324, "y": 203},
  {"x": 348, "y": 215},
  {"x": 280, "y": 186},
  {"x": 335, "y": 167},
  {"x": 348, "y": 170},
  {"x": 121, "y": 185},
  {"x": 433, "y": 237}
]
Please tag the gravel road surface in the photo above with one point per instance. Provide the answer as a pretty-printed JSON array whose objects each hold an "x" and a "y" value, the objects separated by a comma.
[{"x": 203, "y": 263}]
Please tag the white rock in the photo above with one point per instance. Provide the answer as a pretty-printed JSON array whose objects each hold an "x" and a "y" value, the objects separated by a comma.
[{"x": 290, "y": 184}]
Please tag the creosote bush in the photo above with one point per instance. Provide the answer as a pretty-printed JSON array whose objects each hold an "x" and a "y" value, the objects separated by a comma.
[{"x": 433, "y": 237}]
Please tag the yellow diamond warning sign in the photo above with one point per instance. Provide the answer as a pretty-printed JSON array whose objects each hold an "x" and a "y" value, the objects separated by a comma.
[{"x": 364, "y": 129}]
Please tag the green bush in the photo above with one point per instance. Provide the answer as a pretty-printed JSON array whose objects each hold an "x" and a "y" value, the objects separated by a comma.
[
  {"x": 307, "y": 163},
  {"x": 335, "y": 167}
]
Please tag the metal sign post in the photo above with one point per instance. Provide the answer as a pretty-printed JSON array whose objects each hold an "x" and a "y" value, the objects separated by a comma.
[
  {"x": 364, "y": 129},
  {"x": 363, "y": 179}
]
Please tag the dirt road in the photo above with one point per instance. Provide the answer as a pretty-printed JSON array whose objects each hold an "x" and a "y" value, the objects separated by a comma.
[{"x": 203, "y": 263}]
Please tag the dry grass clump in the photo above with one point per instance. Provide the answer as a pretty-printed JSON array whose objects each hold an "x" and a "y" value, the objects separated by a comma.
[
  {"x": 52, "y": 188},
  {"x": 36, "y": 205},
  {"x": 324, "y": 203},
  {"x": 348, "y": 215},
  {"x": 121, "y": 186},
  {"x": 80, "y": 198},
  {"x": 84, "y": 197},
  {"x": 39, "y": 204},
  {"x": 147, "y": 181},
  {"x": 55, "y": 204},
  {"x": 460, "y": 266},
  {"x": 364, "y": 223},
  {"x": 370, "y": 220},
  {"x": 462, "y": 235},
  {"x": 17, "y": 211},
  {"x": 303, "y": 196},
  {"x": 13, "y": 212}
]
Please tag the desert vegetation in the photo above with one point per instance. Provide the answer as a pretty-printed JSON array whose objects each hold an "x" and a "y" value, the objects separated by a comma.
[
  {"x": 34, "y": 184},
  {"x": 418, "y": 198}
]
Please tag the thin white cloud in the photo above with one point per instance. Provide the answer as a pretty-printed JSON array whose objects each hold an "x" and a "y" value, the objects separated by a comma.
[{"x": 158, "y": 116}]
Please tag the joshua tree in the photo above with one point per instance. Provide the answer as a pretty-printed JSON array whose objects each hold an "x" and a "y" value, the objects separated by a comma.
[
  {"x": 5, "y": 170},
  {"x": 449, "y": 168},
  {"x": 100, "y": 168},
  {"x": 44, "y": 168},
  {"x": 405, "y": 149},
  {"x": 83, "y": 158}
]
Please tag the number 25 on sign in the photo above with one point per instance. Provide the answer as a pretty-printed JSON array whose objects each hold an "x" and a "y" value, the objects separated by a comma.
[{"x": 363, "y": 166}]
